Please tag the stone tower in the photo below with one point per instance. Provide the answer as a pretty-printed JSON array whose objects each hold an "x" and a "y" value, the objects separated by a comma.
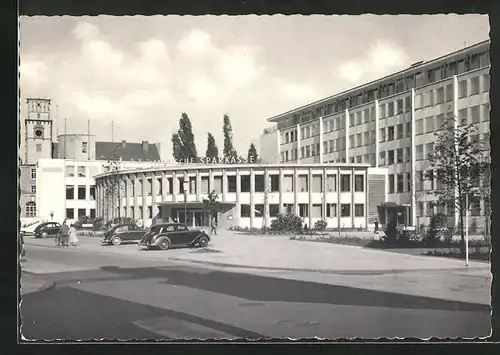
[{"x": 37, "y": 131}]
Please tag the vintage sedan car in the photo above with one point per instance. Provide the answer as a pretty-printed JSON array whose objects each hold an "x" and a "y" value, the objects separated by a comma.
[
  {"x": 167, "y": 235},
  {"x": 123, "y": 233},
  {"x": 47, "y": 229}
]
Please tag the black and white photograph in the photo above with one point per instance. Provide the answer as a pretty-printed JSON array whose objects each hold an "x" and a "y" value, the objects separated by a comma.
[{"x": 242, "y": 178}]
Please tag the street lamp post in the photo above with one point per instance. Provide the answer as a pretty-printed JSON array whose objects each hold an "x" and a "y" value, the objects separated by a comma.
[
  {"x": 467, "y": 230},
  {"x": 185, "y": 186}
]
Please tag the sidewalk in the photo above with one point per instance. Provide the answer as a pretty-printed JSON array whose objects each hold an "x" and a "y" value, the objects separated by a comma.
[
  {"x": 31, "y": 283},
  {"x": 281, "y": 253}
]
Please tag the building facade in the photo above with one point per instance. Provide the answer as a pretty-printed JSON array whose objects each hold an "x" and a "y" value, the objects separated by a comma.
[
  {"x": 67, "y": 187},
  {"x": 392, "y": 123},
  {"x": 250, "y": 195}
]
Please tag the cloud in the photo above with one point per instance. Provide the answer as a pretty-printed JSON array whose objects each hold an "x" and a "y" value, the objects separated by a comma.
[
  {"x": 351, "y": 71},
  {"x": 195, "y": 42},
  {"x": 33, "y": 72},
  {"x": 86, "y": 31},
  {"x": 380, "y": 59}
]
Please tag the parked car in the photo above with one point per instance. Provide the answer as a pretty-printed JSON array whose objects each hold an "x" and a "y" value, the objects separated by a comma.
[
  {"x": 123, "y": 233},
  {"x": 29, "y": 228},
  {"x": 47, "y": 229},
  {"x": 166, "y": 235}
]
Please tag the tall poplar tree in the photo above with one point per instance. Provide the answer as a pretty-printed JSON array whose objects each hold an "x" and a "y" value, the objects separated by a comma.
[
  {"x": 229, "y": 151},
  {"x": 252, "y": 154},
  {"x": 212, "y": 150},
  {"x": 183, "y": 145}
]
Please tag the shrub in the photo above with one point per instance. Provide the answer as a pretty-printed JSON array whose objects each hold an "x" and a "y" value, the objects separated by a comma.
[
  {"x": 391, "y": 232},
  {"x": 286, "y": 222},
  {"x": 432, "y": 236},
  {"x": 320, "y": 225}
]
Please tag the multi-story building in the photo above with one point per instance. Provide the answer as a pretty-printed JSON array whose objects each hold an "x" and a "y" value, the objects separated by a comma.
[
  {"x": 67, "y": 186},
  {"x": 250, "y": 195},
  {"x": 391, "y": 122},
  {"x": 37, "y": 144},
  {"x": 80, "y": 151}
]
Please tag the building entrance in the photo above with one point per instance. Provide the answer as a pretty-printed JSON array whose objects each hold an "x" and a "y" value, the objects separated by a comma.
[{"x": 195, "y": 218}]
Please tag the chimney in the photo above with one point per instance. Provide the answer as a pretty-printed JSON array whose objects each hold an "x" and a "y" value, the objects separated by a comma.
[
  {"x": 124, "y": 143},
  {"x": 145, "y": 146}
]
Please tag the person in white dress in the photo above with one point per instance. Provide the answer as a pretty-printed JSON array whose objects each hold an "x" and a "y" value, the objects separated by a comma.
[{"x": 73, "y": 239}]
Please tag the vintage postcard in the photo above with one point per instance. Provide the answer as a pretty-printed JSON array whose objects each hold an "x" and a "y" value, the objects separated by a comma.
[{"x": 254, "y": 177}]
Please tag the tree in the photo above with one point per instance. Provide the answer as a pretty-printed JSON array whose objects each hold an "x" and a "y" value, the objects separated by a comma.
[
  {"x": 210, "y": 202},
  {"x": 252, "y": 154},
  {"x": 212, "y": 150},
  {"x": 183, "y": 145},
  {"x": 457, "y": 164},
  {"x": 229, "y": 151},
  {"x": 112, "y": 190}
]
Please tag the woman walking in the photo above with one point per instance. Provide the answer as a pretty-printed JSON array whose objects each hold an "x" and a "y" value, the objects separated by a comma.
[{"x": 73, "y": 239}]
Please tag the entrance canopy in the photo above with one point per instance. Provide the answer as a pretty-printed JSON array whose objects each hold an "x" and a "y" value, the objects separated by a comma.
[{"x": 394, "y": 212}]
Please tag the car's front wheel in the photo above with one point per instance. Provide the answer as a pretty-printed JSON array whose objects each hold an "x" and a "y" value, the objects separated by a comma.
[
  {"x": 203, "y": 242},
  {"x": 116, "y": 241},
  {"x": 164, "y": 244}
]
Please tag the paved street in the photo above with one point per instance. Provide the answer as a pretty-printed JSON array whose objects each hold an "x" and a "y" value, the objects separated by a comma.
[{"x": 121, "y": 292}]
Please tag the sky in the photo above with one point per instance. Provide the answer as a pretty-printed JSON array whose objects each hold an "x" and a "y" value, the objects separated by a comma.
[{"x": 142, "y": 72}]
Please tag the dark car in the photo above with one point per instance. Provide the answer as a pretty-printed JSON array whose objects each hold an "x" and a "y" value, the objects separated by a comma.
[
  {"x": 123, "y": 233},
  {"x": 167, "y": 235},
  {"x": 47, "y": 229}
]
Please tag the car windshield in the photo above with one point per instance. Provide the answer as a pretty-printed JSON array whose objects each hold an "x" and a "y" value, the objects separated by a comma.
[
  {"x": 155, "y": 229},
  {"x": 40, "y": 227}
]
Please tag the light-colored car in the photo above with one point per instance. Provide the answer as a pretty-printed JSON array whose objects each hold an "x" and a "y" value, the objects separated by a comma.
[{"x": 29, "y": 228}]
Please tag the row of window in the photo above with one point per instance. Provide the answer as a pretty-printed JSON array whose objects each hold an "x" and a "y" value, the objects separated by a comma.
[
  {"x": 316, "y": 211},
  {"x": 80, "y": 212},
  {"x": 395, "y": 156},
  {"x": 81, "y": 193},
  {"x": 429, "y": 208},
  {"x": 289, "y": 185},
  {"x": 411, "y": 80},
  {"x": 391, "y": 133}
]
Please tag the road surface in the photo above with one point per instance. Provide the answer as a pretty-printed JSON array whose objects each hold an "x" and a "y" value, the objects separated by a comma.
[{"x": 122, "y": 293}]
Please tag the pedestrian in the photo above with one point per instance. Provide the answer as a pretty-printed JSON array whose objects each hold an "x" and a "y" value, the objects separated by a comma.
[
  {"x": 213, "y": 226},
  {"x": 73, "y": 238},
  {"x": 63, "y": 234},
  {"x": 376, "y": 226}
]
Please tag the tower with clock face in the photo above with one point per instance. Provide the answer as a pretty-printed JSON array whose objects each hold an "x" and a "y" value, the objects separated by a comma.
[{"x": 38, "y": 131}]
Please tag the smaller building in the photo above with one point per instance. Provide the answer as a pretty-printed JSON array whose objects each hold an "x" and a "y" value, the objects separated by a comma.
[
  {"x": 249, "y": 195},
  {"x": 66, "y": 187}
]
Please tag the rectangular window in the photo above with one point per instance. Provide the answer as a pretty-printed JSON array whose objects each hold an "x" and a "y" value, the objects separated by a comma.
[
  {"x": 150, "y": 212},
  {"x": 407, "y": 104},
  {"x": 408, "y": 182},
  {"x": 382, "y": 135},
  {"x": 449, "y": 92},
  {"x": 400, "y": 183},
  {"x": 359, "y": 140},
  {"x": 331, "y": 146},
  {"x": 429, "y": 149},
  {"x": 408, "y": 129},
  {"x": 359, "y": 183},
  {"x": 474, "y": 114},
  {"x": 441, "y": 122},
  {"x": 372, "y": 114},
  {"x": 390, "y": 157},
  {"x": 381, "y": 158},
  {"x": 359, "y": 159},
  {"x": 399, "y": 106},
  {"x": 345, "y": 183},
  {"x": 331, "y": 210},
  {"x": 351, "y": 141},
  {"x": 351, "y": 119},
  {"x": 84, "y": 147},
  {"x": 439, "y": 95},
  {"x": 359, "y": 210},
  {"x": 382, "y": 111},
  {"x": 92, "y": 192},
  {"x": 81, "y": 212},
  {"x": 331, "y": 183},
  {"x": 288, "y": 183},
  {"x": 408, "y": 154},
  {"x": 420, "y": 209},
  {"x": 302, "y": 183},
  {"x": 366, "y": 138},
  {"x": 258, "y": 210},
  {"x": 399, "y": 131},
  {"x": 399, "y": 155},
  {"x": 430, "y": 209},
  {"x": 391, "y": 183},
  {"x": 274, "y": 210},
  {"x": 390, "y": 109},
  {"x": 486, "y": 112},
  {"x": 70, "y": 192},
  {"x": 366, "y": 115},
  {"x": 245, "y": 211},
  {"x": 486, "y": 83},
  {"x": 358, "y": 118},
  {"x": 33, "y": 189},
  {"x": 419, "y": 126},
  {"x": 231, "y": 183},
  {"x": 70, "y": 213},
  {"x": 33, "y": 173},
  {"x": 345, "y": 210},
  {"x": 474, "y": 85},
  {"x": 462, "y": 116},
  {"x": 390, "y": 133},
  {"x": 418, "y": 101},
  {"x": 317, "y": 211},
  {"x": 81, "y": 193},
  {"x": 462, "y": 89},
  {"x": 428, "y": 98},
  {"x": 92, "y": 213},
  {"x": 38, "y": 147},
  {"x": 429, "y": 124},
  {"x": 317, "y": 183},
  {"x": 303, "y": 210}
]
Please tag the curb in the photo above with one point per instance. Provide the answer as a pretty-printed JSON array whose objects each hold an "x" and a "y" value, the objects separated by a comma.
[
  {"x": 46, "y": 286},
  {"x": 321, "y": 271}
]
